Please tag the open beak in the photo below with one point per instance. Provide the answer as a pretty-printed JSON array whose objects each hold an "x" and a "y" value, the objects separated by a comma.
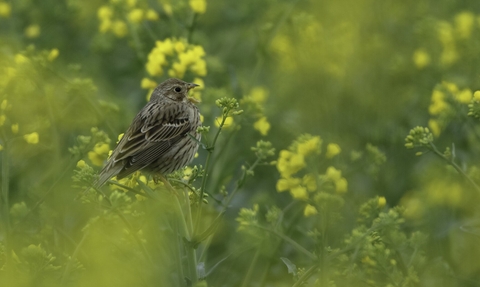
[
  {"x": 191, "y": 86},
  {"x": 192, "y": 99}
]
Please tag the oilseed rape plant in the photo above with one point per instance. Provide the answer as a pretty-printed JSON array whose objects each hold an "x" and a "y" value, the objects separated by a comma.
[{"x": 340, "y": 143}]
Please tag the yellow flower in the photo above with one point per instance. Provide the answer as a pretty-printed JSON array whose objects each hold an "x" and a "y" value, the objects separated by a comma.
[
  {"x": 167, "y": 8},
  {"x": 179, "y": 47},
  {"x": 464, "y": 23},
  {"x": 434, "y": 126},
  {"x": 151, "y": 15},
  {"x": 333, "y": 149},
  {"x": 101, "y": 148},
  {"x": 262, "y": 125},
  {"x": 282, "y": 185},
  {"x": 15, "y": 128},
  {"x": 476, "y": 96},
  {"x": 105, "y": 26},
  {"x": 131, "y": 3},
  {"x": 333, "y": 174},
  {"x": 31, "y": 138},
  {"x": 198, "y": 6},
  {"x": 297, "y": 162},
  {"x": 1, "y": 147},
  {"x": 299, "y": 192},
  {"x": 81, "y": 163},
  {"x": 5, "y": 10},
  {"x": 438, "y": 103},
  {"x": 20, "y": 59},
  {"x": 309, "y": 180},
  {"x": 135, "y": 16},
  {"x": 309, "y": 210},
  {"x": 104, "y": 13},
  {"x": 4, "y": 105},
  {"x": 53, "y": 55},
  {"x": 451, "y": 87},
  {"x": 258, "y": 95},
  {"x": 310, "y": 146},
  {"x": 228, "y": 122},
  {"x": 148, "y": 84},
  {"x": 32, "y": 31},
  {"x": 421, "y": 58},
  {"x": 381, "y": 202},
  {"x": 3, "y": 118},
  {"x": 341, "y": 185},
  {"x": 464, "y": 96},
  {"x": 119, "y": 28}
]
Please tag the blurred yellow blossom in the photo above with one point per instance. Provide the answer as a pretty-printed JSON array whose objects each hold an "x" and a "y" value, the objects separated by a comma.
[
  {"x": 2, "y": 120},
  {"x": 32, "y": 31},
  {"x": 104, "y": 13},
  {"x": 309, "y": 146},
  {"x": 148, "y": 84},
  {"x": 81, "y": 163},
  {"x": 310, "y": 182},
  {"x": 438, "y": 103},
  {"x": 105, "y": 26},
  {"x": 1, "y": 147},
  {"x": 476, "y": 96},
  {"x": 228, "y": 122},
  {"x": 5, "y": 9},
  {"x": 341, "y": 185},
  {"x": 262, "y": 125},
  {"x": 333, "y": 149},
  {"x": 20, "y": 59},
  {"x": 289, "y": 163},
  {"x": 464, "y": 96},
  {"x": 167, "y": 8},
  {"x": 421, "y": 58},
  {"x": 464, "y": 23},
  {"x": 309, "y": 210},
  {"x": 258, "y": 95},
  {"x": 53, "y": 55},
  {"x": 99, "y": 153},
  {"x": 131, "y": 3},
  {"x": 381, "y": 202},
  {"x": 3, "y": 105},
  {"x": 120, "y": 136},
  {"x": 299, "y": 192},
  {"x": 135, "y": 16},
  {"x": 119, "y": 28},
  {"x": 32, "y": 138},
  {"x": 198, "y": 6},
  {"x": 151, "y": 15},
  {"x": 333, "y": 174},
  {"x": 15, "y": 128}
]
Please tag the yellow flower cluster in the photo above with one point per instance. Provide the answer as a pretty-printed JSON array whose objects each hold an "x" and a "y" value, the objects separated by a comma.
[
  {"x": 440, "y": 109},
  {"x": 185, "y": 57},
  {"x": 99, "y": 153},
  {"x": 292, "y": 161},
  {"x": 198, "y": 6},
  {"x": 5, "y": 9},
  {"x": 257, "y": 97},
  {"x": 116, "y": 24}
]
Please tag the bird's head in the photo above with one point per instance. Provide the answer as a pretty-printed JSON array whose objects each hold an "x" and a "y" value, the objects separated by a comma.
[{"x": 173, "y": 89}]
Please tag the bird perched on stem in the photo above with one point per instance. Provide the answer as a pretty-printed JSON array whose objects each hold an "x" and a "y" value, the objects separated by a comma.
[{"x": 162, "y": 137}]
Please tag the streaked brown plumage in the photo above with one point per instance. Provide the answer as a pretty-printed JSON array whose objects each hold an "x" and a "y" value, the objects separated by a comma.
[{"x": 158, "y": 139}]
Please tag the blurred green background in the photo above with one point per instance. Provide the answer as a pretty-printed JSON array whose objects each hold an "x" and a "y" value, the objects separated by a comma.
[{"x": 360, "y": 74}]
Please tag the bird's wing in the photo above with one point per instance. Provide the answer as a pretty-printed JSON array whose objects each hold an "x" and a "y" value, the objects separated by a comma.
[{"x": 155, "y": 128}]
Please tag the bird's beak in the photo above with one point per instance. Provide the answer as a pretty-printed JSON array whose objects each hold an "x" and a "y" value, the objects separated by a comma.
[
  {"x": 192, "y": 99},
  {"x": 191, "y": 86}
]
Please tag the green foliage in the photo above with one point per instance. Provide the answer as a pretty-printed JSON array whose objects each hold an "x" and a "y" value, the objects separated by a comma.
[{"x": 306, "y": 175}]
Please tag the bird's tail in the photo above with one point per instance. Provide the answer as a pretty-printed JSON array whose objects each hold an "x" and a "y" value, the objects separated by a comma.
[{"x": 106, "y": 173}]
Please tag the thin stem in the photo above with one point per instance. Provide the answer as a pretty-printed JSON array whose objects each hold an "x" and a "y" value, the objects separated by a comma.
[
  {"x": 455, "y": 166},
  {"x": 253, "y": 264},
  {"x": 306, "y": 275},
  {"x": 291, "y": 241},
  {"x": 6, "y": 206},
  {"x": 207, "y": 167}
]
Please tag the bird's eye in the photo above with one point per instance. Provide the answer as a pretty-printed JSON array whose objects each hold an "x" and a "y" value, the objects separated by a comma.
[{"x": 177, "y": 89}]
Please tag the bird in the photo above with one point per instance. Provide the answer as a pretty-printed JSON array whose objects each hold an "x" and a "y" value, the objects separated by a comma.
[{"x": 162, "y": 137}]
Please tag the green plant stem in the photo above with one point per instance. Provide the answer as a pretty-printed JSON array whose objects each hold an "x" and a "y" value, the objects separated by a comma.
[
  {"x": 306, "y": 275},
  {"x": 252, "y": 266},
  {"x": 455, "y": 166},
  {"x": 291, "y": 241},
  {"x": 205, "y": 176},
  {"x": 6, "y": 207}
]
